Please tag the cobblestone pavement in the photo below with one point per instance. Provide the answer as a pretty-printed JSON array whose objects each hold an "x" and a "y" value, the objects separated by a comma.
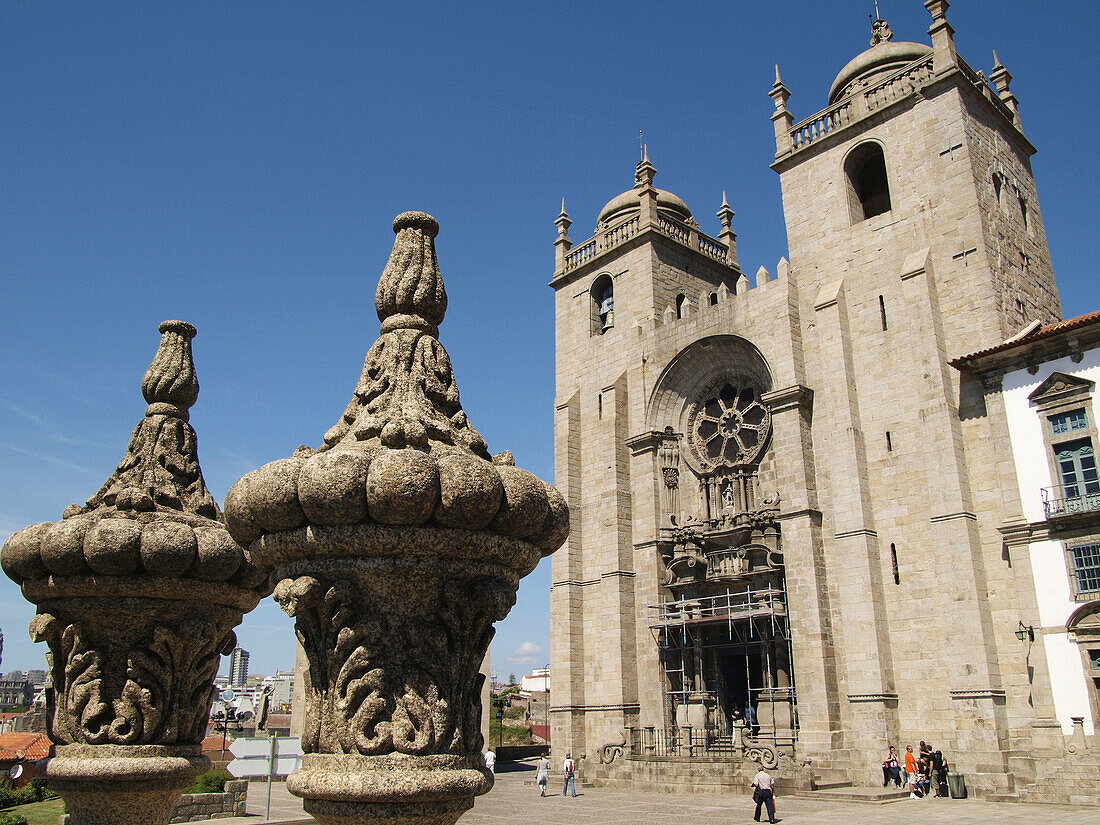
[{"x": 512, "y": 801}]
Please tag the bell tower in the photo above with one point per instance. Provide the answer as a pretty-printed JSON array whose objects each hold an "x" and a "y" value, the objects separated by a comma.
[
  {"x": 915, "y": 236},
  {"x": 647, "y": 265}
]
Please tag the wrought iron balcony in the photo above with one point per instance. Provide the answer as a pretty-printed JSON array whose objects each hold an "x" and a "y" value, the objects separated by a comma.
[{"x": 1056, "y": 504}]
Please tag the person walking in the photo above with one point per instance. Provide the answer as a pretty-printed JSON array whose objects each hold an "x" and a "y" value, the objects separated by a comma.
[
  {"x": 764, "y": 794},
  {"x": 491, "y": 761},
  {"x": 542, "y": 773},
  {"x": 568, "y": 768}
]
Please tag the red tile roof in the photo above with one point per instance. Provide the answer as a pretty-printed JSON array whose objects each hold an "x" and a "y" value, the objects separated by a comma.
[
  {"x": 1042, "y": 332},
  {"x": 24, "y": 746}
]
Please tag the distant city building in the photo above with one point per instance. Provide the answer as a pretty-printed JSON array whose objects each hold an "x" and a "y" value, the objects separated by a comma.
[
  {"x": 15, "y": 692},
  {"x": 238, "y": 667},
  {"x": 14, "y": 676},
  {"x": 36, "y": 677}
]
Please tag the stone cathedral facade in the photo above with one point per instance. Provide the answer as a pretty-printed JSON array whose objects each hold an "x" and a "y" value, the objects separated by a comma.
[{"x": 784, "y": 499}]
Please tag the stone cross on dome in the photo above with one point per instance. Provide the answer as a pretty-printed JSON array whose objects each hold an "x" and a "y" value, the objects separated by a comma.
[{"x": 880, "y": 29}]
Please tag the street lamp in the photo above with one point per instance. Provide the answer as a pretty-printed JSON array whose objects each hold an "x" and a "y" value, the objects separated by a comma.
[
  {"x": 546, "y": 706},
  {"x": 228, "y": 717},
  {"x": 1025, "y": 631}
]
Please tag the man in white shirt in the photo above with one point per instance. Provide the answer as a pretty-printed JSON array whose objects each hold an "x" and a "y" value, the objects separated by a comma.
[
  {"x": 568, "y": 768},
  {"x": 763, "y": 794},
  {"x": 490, "y": 761}
]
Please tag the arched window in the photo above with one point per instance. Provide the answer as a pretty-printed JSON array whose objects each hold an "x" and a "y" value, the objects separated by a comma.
[
  {"x": 603, "y": 304},
  {"x": 868, "y": 187},
  {"x": 680, "y": 305}
]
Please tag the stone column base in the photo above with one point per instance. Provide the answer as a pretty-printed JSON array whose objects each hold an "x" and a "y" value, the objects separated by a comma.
[
  {"x": 120, "y": 784},
  {"x": 395, "y": 789}
]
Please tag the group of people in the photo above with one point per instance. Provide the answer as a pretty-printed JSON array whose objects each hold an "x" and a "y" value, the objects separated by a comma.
[
  {"x": 568, "y": 769},
  {"x": 924, "y": 772}
]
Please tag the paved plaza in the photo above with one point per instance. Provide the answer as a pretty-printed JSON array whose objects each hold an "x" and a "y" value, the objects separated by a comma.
[{"x": 515, "y": 798}]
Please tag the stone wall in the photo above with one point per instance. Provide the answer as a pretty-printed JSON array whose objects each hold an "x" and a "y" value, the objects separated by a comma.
[
  {"x": 682, "y": 775},
  {"x": 194, "y": 807}
]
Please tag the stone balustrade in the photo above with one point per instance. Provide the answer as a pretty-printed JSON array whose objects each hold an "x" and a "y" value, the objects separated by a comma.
[
  {"x": 892, "y": 88},
  {"x": 619, "y": 233},
  {"x": 821, "y": 124}
]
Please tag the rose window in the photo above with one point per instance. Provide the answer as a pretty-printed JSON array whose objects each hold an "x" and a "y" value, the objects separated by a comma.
[{"x": 730, "y": 426}]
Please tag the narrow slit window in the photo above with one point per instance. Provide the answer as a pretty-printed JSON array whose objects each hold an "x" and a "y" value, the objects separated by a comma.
[
  {"x": 882, "y": 311},
  {"x": 894, "y": 563},
  {"x": 889, "y": 443},
  {"x": 713, "y": 298},
  {"x": 680, "y": 305},
  {"x": 599, "y": 406}
]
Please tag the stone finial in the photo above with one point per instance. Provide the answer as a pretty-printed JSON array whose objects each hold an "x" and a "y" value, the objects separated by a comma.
[
  {"x": 407, "y": 394},
  {"x": 410, "y": 293},
  {"x": 881, "y": 32},
  {"x": 944, "y": 57},
  {"x": 645, "y": 171},
  {"x": 396, "y": 545},
  {"x": 779, "y": 92},
  {"x": 160, "y": 470},
  {"x": 1001, "y": 79},
  {"x": 725, "y": 213},
  {"x": 563, "y": 222},
  {"x": 727, "y": 235},
  {"x": 170, "y": 385},
  {"x": 138, "y": 592},
  {"x": 782, "y": 119}
]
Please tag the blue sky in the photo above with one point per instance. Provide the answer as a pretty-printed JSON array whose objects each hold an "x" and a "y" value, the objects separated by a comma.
[{"x": 238, "y": 165}]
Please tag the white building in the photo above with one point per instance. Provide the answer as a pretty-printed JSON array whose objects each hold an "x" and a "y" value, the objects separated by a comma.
[
  {"x": 1043, "y": 383},
  {"x": 537, "y": 682}
]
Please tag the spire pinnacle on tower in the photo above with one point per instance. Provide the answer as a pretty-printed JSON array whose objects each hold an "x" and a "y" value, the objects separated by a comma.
[
  {"x": 725, "y": 213},
  {"x": 645, "y": 171},
  {"x": 1001, "y": 79},
  {"x": 562, "y": 244},
  {"x": 727, "y": 235},
  {"x": 563, "y": 222},
  {"x": 781, "y": 118}
]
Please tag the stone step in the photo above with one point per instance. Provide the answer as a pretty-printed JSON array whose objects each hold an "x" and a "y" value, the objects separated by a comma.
[{"x": 871, "y": 796}]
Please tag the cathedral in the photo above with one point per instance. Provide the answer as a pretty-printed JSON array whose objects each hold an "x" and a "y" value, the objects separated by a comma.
[{"x": 787, "y": 501}]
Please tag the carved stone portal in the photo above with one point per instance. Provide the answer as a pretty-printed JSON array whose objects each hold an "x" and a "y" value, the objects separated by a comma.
[
  {"x": 395, "y": 545},
  {"x": 138, "y": 592}
]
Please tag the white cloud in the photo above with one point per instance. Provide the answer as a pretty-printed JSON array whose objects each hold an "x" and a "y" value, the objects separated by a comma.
[{"x": 527, "y": 654}]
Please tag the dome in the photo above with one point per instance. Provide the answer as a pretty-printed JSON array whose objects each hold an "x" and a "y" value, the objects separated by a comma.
[
  {"x": 877, "y": 61},
  {"x": 628, "y": 202}
]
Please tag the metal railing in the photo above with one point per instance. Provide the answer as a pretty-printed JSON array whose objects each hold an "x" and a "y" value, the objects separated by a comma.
[
  {"x": 729, "y": 605},
  {"x": 650, "y": 742},
  {"x": 1056, "y": 503}
]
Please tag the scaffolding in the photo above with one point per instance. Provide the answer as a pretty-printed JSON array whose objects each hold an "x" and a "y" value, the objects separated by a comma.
[{"x": 698, "y": 639}]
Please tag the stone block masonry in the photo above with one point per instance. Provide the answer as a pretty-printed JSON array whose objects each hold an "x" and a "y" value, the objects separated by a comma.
[{"x": 196, "y": 807}]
